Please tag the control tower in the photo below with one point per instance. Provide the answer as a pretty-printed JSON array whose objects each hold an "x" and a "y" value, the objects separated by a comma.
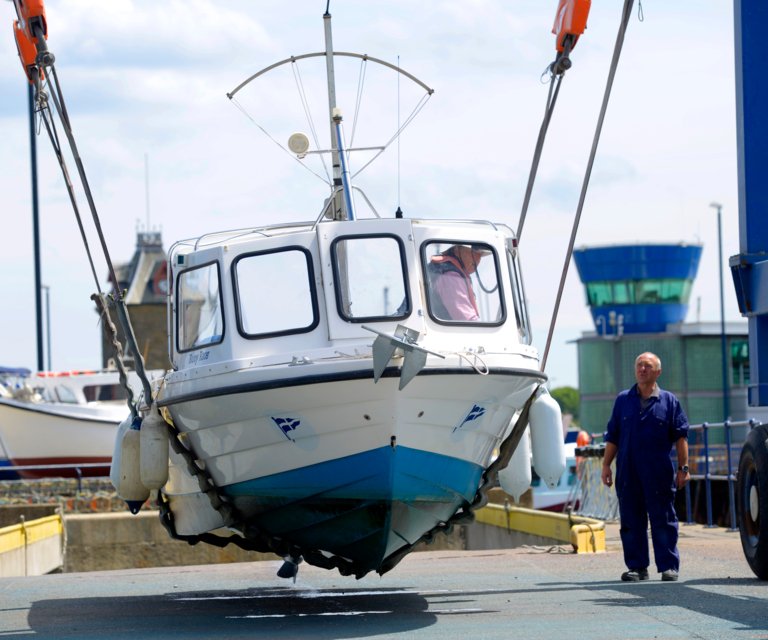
[{"x": 637, "y": 288}]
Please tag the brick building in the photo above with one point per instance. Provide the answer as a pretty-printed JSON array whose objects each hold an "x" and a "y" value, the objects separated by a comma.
[{"x": 144, "y": 279}]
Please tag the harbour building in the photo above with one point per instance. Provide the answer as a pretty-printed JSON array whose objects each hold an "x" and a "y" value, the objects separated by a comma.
[{"x": 144, "y": 280}]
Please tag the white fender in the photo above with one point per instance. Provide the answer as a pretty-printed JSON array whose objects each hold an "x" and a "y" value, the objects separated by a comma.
[
  {"x": 154, "y": 450},
  {"x": 191, "y": 508},
  {"x": 125, "y": 470},
  {"x": 515, "y": 478},
  {"x": 547, "y": 439}
]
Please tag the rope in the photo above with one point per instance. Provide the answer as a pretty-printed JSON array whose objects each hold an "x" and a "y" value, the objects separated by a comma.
[
  {"x": 60, "y": 106},
  {"x": 58, "y": 100},
  {"x": 609, "y": 85},
  {"x": 419, "y": 106},
  {"x": 308, "y": 114},
  {"x": 401, "y": 127},
  {"x": 266, "y": 133},
  {"x": 111, "y": 330},
  {"x": 359, "y": 98},
  {"x": 50, "y": 127},
  {"x": 554, "y": 89},
  {"x": 482, "y": 370}
]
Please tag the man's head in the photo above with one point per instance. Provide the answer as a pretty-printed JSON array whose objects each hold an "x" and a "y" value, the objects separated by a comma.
[
  {"x": 647, "y": 368},
  {"x": 468, "y": 255}
]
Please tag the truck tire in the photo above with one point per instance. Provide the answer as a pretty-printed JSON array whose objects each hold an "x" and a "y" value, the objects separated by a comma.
[{"x": 752, "y": 500}]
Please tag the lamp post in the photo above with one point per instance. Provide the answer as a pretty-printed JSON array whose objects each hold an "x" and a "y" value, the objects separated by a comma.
[
  {"x": 47, "y": 290},
  {"x": 723, "y": 350},
  {"x": 35, "y": 227}
]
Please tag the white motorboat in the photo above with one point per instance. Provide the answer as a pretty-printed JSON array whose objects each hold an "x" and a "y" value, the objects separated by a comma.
[
  {"x": 58, "y": 424},
  {"x": 329, "y": 400},
  {"x": 339, "y": 386},
  {"x": 310, "y": 453}
]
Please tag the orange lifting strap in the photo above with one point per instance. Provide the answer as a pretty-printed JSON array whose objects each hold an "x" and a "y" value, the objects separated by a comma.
[
  {"x": 570, "y": 20},
  {"x": 31, "y": 14},
  {"x": 31, "y": 21},
  {"x": 27, "y": 54},
  {"x": 27, "y": 51}
]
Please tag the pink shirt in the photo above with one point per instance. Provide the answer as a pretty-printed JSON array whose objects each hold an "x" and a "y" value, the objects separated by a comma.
[{"x": 455, "y": 292}]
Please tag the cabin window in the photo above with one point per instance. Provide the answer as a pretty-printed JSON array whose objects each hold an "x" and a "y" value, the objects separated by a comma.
[
  {"x": 104, "y": 392},
  {"x": 370, "y": 276},
  {"x": 462, "y": 283},
  {"x": 199, "y": 316},
  {"x": 65, "y": 394},
  {"x": 275, "y": 293},
  {"x": 518, "y": 294}
]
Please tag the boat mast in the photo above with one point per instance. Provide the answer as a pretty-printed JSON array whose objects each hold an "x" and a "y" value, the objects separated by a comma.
[{"x": 342, "y": 204}]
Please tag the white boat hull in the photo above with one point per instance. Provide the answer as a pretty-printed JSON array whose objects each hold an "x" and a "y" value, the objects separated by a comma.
[
  {"x": 349, "y": 467},
  {"x": 44, "y": 434}
]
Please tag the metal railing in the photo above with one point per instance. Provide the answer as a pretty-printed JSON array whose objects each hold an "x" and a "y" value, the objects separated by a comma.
[
  {"x": 708, "y": 462},
  {"x": 717, "y": 461}
]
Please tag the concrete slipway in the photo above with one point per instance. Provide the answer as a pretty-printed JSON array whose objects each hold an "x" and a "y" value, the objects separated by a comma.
[{"x": 531, "y": 592}]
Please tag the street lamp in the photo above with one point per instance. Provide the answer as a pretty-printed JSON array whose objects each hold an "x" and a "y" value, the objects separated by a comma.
[
  {"x": 47, "y": 290},
  {"x": 35, "y": 220},
  {"x": 723, "y": 351}
]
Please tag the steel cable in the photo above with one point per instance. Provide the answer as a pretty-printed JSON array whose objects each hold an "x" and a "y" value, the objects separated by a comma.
[{"x": 585, "y": 184}]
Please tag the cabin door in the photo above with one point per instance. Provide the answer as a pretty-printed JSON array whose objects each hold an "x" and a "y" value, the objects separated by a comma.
[{"x": 371, "y": 276}]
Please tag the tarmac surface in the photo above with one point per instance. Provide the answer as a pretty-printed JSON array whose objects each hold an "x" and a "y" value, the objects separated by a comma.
[{"x": 529, "y": 592}]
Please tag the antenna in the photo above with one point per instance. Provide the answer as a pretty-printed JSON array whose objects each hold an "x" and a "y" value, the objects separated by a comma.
[{"x": 398, "y": 137}]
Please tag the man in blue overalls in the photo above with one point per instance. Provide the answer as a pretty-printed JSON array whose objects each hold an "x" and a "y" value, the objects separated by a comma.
[{"x": 646, "y": 422}]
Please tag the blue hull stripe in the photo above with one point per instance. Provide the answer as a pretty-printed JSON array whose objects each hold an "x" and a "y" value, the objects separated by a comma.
[
  {"x": 399, "y": 473},
  {"x": 362, "y": 507}
]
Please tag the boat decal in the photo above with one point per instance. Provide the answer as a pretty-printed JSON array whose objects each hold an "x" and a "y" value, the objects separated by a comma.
[
  {"x": 287, "y": 426},
  {"x": 197, "y": 357},
  {"x": 475, "y": 413}
]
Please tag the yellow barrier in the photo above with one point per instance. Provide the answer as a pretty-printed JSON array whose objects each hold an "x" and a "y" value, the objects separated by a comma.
[
  {"x": 585, "y": 534},
  {"x": 31, "y": 548}
]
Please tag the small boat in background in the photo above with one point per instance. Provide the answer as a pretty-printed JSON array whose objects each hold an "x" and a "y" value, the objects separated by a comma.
[
  {"x": 49, "y": 419},
  {"x": 556, "y": 498}
]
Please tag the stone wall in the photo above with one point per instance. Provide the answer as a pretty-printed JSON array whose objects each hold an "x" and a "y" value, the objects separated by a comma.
[{"x": 105, "y": 541}]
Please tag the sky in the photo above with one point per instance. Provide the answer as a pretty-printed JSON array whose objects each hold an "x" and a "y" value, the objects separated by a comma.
[{"x": 146, "y": 83}]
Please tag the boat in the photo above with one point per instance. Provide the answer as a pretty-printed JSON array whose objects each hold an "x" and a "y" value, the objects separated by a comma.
[
  {"x": 59, "y": 424},
  {"x": 557, "y": 498},
  {"x": 340, "y": 387},
  {"x": 324, "y": 401}
]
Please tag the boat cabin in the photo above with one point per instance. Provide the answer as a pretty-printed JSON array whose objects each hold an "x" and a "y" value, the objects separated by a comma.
[{"x": 302, "y": 289}]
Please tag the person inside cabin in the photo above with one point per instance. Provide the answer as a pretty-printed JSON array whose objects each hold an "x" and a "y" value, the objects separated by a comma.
[
  {"x": 451, "y": 294},
  {"x": 646, "y": 423}
]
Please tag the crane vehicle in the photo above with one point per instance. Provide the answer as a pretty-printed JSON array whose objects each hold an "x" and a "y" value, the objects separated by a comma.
[{"x": 750, "y": 273}]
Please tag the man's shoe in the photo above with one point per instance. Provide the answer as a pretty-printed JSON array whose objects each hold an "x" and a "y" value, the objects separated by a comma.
[
  {"x": 670, "y": 575},
  {"x": 636, "y": 575}
]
